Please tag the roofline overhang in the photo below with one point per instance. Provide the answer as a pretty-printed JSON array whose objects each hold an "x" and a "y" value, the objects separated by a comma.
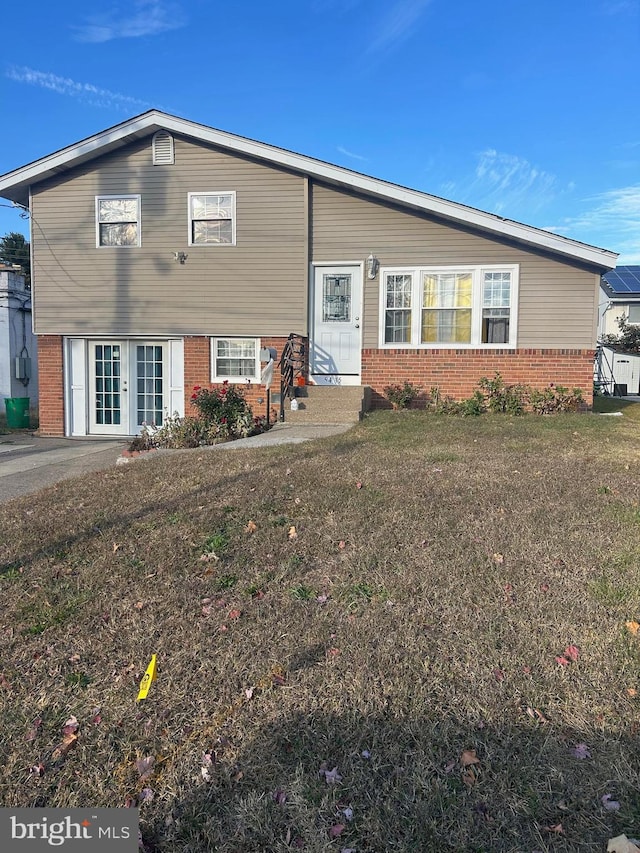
[{"x": 15, "y": 185}]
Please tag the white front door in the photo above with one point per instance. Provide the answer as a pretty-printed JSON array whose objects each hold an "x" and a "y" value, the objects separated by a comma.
[
  {"x": 128, "y": 386},
  {"x": 335, "y": 356}
]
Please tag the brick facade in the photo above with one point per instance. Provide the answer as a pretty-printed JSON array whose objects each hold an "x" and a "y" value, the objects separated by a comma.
[
  {"x": 51, "y": 382},
  {"x": 197, "y": 371},
  {"x": 456, "y": 371}
]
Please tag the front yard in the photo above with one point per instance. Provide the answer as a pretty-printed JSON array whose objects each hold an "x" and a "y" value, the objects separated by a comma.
[{"x": 419, "y": 635}]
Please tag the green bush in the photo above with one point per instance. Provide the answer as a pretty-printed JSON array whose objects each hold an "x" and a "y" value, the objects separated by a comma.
[
  {"x": 555, "y": 398},
  {"x": 227, "y": 409},
  {"x": 501, "y": 398},
  {"x": 401, "y": 396}
]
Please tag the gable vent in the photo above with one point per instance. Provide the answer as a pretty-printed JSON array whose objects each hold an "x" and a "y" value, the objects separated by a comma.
[{"x": 162, "y": 148}]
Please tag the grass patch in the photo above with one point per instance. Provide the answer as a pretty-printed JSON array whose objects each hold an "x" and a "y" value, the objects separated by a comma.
[{"x": 338, "y": 675}]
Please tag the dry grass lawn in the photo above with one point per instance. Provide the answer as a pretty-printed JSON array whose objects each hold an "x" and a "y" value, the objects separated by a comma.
[{"x": 411, "y": 637}]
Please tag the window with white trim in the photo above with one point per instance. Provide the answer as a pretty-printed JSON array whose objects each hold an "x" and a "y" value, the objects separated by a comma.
[
  {"x": 118, "y": 220},
  {"x": 449, "y": 306},
  {"x": 235, "y": 359},
  {"x": 212, "y": 219},
  {"x": 633, "y": 314}
]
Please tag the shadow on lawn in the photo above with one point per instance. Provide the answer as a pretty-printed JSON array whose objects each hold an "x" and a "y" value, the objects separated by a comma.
[{"x": 407, "y": 789}]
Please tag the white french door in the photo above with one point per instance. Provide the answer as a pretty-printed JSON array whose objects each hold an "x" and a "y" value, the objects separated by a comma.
[{"x": 128, "y": 386}]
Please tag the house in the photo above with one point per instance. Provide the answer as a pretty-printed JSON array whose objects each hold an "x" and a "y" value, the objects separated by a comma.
[
  {"x": 18, "y": 349},
  {"x": 168, "y": 254},
  {"x": 617, "y": 372}
]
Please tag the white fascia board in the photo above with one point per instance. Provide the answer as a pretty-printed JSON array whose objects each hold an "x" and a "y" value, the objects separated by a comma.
[{"x": 155, "y": 120}]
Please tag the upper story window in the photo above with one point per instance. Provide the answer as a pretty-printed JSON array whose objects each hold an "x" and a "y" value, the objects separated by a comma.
[
  {"x": 212, "y": 219},
  {"x": 118, "y": 220},
  {"x": 633, "y": 314},
  {"x": 449, "y": 307}
]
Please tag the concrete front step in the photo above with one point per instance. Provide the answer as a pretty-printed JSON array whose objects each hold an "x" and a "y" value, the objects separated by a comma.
[{"x": 321, "y": 404}]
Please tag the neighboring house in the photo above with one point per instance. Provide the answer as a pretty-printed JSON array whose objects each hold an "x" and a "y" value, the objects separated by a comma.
[
  {"x": 18, "y": 349},
  {"x": 618, "y": 372},
  {"x": 168, "y": 254}
]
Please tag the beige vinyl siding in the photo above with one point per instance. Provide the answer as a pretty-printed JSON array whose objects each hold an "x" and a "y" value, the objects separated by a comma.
[
  {"x": 557, "y": 301},
  {"x": 256, "y": 287}
]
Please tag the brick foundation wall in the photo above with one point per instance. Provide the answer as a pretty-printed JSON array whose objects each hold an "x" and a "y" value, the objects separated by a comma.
[
  {"x": 51, "y": 385},
  {"x": 197, "y": 371},
  {"x": 456, "y": 372}
]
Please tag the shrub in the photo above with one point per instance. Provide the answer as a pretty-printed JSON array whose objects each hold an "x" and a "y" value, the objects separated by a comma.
[
  {"x": 501, "y": 398},
  {"x": 555, "y": 398},
  {"x": 474, "y": 405},
  {"x": 401, "y": 396},
  {"x": 226, "y": 408},
  {"x": 441, "y": 405}
]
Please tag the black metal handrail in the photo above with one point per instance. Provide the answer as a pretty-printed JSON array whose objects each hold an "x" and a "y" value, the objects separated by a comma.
[{"x": 293, "y": 363}]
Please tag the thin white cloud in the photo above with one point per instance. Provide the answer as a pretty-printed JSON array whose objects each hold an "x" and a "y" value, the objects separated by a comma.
[
  {"x": 506, "y": 184},
  {"x": 351, "y": 154},
  {"x": 142, "y": 18},
  {"x": 85, "y": 92},
  {"x": 610, "y": 220},
  {"x": 397, "y": 25},
  {"x": 620, "y": 7}
]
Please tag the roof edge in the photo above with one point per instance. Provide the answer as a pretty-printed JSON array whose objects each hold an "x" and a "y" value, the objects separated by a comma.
[{"x": 19, "y": 179}]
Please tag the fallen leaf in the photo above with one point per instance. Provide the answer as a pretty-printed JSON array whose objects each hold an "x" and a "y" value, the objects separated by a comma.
[
  {"x": 333, "y": 652},
  {"x": 609, "y": 803},
  {"x": 138, "y": 605},
  {"x": 622, "y": 844},
  {"x": 348, "y": 813},
  {"x": 71, "y": 726},
  {"x": 498, "y": 674},
  {"x": 74, "y": 659},
  {"x": 498, "y": 558},
  {"x": 469, "y": 757},
  {"x": 37, "y": 770},
  {"x": 146, "y": 795},
  {"x": 322, "y": 598},
  {"x": 63, "y": 749},
  {"x": 631, "y": 691},
  {"x": 278, "y": 679},
  {"x": 251, "y": 527},
  {"x": 279, "y": 796},
  {"x": 293, "y": 534},
  {"x": 633, "y": 627},
  {"x": 337, "y": 830},
  {"x": 358, "y": 485},
  {"x": 562, "y": 660},
  {"x": 342, "y": 544},
  {"x": 556, "y": 827},
  {"x": 3, "y": 682},
  {"x": 572, "y": 652},
  {"x": 537, "y": 714},
  {"x": 115, "y": 547},
  {"x": 365, "y": 753},
  {"x": 144, "y": 766},
  {"x": 238, "y": 776},
  {"x": 449, "y": 767},
  {"x": 331, "y": 777},
  {"x": 249, "y": 692},
  {"x": 544, "y": 587},
  {"x": 581, "y": 750},
  {"x": 96, "y": 719},
  {"x": 235, "y": 613}
]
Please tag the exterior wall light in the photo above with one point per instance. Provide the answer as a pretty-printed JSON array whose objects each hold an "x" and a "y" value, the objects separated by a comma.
[{"x": 372, "y": 266}]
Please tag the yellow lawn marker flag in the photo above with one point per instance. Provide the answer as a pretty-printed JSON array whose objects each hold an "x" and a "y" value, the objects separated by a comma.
[{"x": 147, "y": 679}]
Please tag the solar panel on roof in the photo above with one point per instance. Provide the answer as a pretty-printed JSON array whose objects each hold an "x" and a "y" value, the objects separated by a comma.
[{"x": 623, "y": 279}]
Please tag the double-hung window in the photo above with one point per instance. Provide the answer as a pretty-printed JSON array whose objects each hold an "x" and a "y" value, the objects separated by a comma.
[
  {"x": 118, "y": 220},
  {"x": 235, "y": 359},
  {"x": 212, "y": 219},
  {"x": 449, "y": 306}
]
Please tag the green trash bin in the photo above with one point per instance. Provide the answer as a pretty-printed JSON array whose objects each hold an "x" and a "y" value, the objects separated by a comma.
[{"x": 17, "y": 412}]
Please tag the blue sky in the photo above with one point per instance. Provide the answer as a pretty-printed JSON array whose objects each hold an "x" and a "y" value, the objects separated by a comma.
[{"x": 527, "y": 110}]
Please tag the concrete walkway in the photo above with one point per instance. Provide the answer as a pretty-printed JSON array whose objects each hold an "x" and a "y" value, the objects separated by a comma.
[{"x": 29, "y": 463}]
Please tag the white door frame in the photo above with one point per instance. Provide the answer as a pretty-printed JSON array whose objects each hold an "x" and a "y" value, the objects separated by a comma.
[
  {"x": 328, "y": 377},
  {"x": 80, "y": 389}
]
